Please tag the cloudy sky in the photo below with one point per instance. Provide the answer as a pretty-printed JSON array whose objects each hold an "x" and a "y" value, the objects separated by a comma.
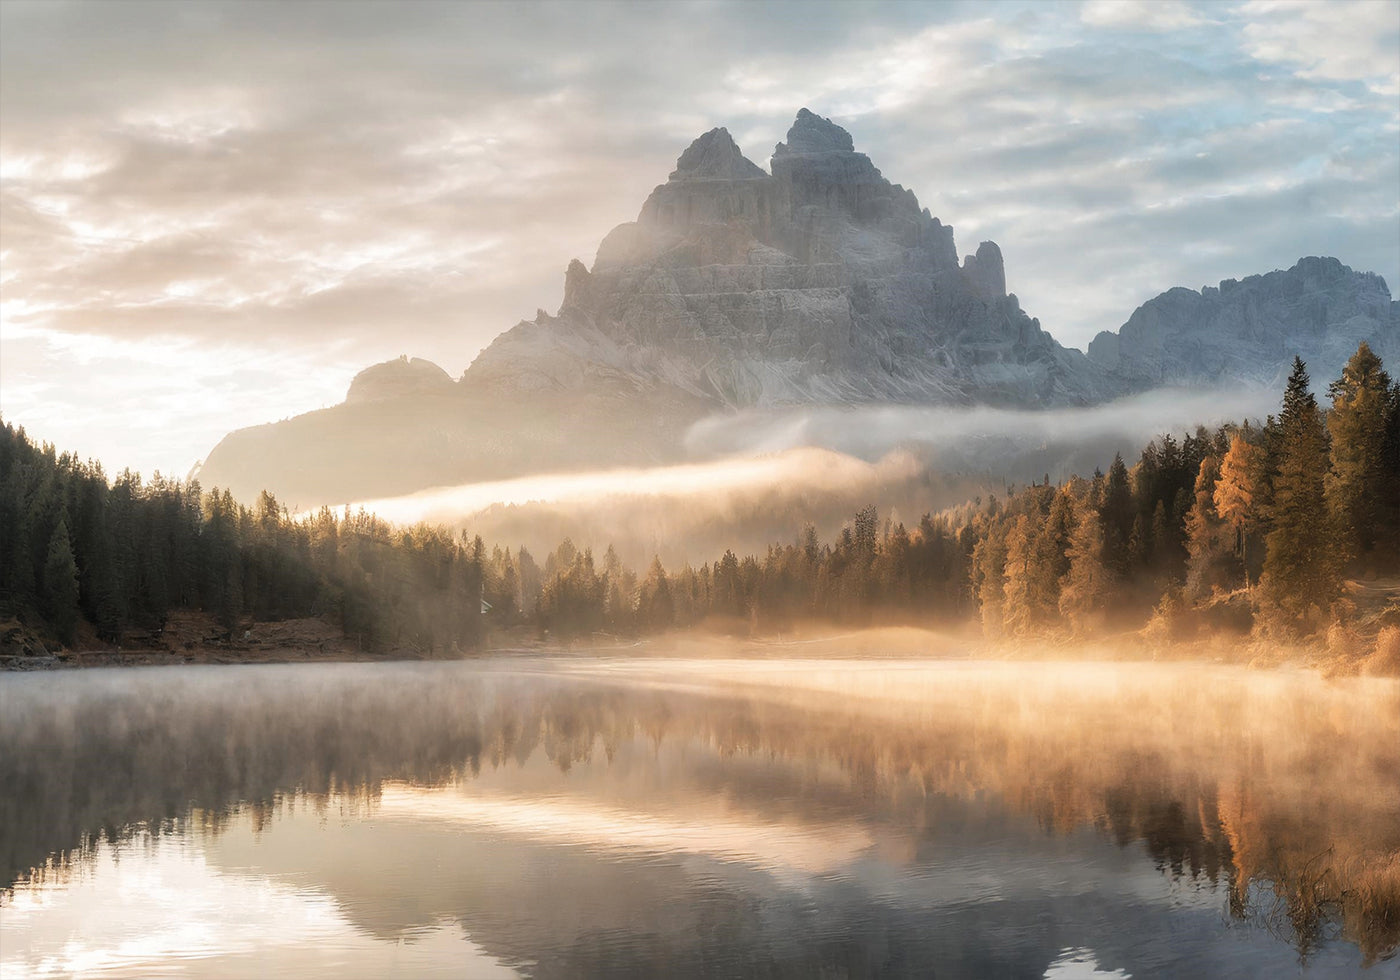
[{"x": 212, "y": 215}]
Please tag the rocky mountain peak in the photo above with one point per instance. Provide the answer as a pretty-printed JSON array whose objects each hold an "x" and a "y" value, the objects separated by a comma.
[
  {"x": 1249, "y": 329},
  {"x": 715, "y": 156},
  {"x": 811, "y": 133},
  {"x": 986, "y": 270},
  {"x": 823, "y": 282}
]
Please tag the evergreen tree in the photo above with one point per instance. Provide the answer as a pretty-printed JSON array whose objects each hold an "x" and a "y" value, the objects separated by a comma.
[
  {"x": 60, "y": 583},
  {"x": 1116, "y": 518},
  {"x": 1356, "y": 484},
  {"x": 1388, "y": 538},
  {"x": 656, "y": 609},
  {"x": 1301, "y": 564},
  {"x": 1051, "y": 560},
  {"x": 1209, "y": 540}
]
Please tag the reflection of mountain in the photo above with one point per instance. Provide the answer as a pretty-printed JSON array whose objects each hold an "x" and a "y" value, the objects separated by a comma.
[
  {"x": 1247, "y": 779},
  {"x": 818, "y": 284}
]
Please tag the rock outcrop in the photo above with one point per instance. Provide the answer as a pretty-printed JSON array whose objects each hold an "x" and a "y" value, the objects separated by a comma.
[{"x": 394, "y": 379}]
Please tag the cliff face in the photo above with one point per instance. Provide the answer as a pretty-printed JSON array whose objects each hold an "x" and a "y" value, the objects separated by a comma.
[
  {"x": 820, "y": 283},
  {"x": 1249, "y": 330}
]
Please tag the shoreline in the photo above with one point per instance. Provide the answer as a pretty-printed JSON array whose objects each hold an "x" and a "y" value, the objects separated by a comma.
[{"x": 882, "y": 643}]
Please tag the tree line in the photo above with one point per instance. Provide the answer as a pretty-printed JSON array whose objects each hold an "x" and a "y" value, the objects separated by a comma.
[
  {"x": 1241, "y": 526},
  {"x": 81, "y": 553}
]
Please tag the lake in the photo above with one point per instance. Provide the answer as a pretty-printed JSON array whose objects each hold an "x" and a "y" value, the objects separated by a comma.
[{"x": 576, "y": 817}]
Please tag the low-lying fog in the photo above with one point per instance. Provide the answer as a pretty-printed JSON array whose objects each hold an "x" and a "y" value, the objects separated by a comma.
[
  {"x": 602, "y": 816},
  {"x": 758, "y": 477},
  {"x": 979, "y": 437}
]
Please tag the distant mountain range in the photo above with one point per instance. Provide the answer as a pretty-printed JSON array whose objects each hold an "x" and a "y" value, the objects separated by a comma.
[{"x": 819, "y": 283}]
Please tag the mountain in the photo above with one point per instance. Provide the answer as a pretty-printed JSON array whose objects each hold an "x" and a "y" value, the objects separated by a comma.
[
  {"x": 1249, "y": 330},
  {"x": 818, "y": 282}
]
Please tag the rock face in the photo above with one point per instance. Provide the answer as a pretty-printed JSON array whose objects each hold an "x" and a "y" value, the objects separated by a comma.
[
  {"x": 818, "y": 283},
  {"x": 394, "y": 379},
  {"x": 822, "y": 282},
  {"x": 1249, "y": 330}
]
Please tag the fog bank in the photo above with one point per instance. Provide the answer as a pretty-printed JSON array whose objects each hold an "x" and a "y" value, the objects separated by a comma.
[
  {"x": 770, "y": 473},
  {"x": 980, "y": 436}
]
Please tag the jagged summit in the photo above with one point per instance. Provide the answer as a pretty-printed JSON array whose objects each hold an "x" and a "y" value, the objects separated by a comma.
[
  {"x": 986, "y": 269},
  {"x": 822, "y": 282},
  {"x": 715, "y": 156},
  {"x": 811, "y": 133}
]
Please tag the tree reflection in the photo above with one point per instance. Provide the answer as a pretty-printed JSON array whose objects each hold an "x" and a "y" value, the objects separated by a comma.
[{"x": 1290, "y": 794}]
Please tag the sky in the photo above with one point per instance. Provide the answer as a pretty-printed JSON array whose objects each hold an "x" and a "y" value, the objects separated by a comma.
[{"x": 213, "y": 214}]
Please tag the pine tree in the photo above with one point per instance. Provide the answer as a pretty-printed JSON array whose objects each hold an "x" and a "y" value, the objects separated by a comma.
[
  {"x": 1116, "y": 518},
  {"x": 1051, "y": 559},
  {"x": 1388, "y": 538},
  {"x": 1356, "y": 484},
  {"x": 656, "y": 609},
  {"x": 17, "y": 574},
  {"x": 1209, "y": 540},
  {"x": 60, "y": 583},
  {"x": 1301, "y": 565}
]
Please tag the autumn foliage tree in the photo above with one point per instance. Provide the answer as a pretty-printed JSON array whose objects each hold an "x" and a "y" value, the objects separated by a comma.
[{"x": 1235, "y": 493}]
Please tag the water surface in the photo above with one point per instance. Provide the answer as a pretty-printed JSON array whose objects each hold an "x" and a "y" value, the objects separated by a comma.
[{"x": 563, "y": 818}]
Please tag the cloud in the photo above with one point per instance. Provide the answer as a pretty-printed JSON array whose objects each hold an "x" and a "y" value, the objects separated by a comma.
[
  {"x": 249, "y": 180},
  {"x": 1349, "y": 40},
  {"x": 1158, "y": 15},
  {"x": 978, "y": 438}
]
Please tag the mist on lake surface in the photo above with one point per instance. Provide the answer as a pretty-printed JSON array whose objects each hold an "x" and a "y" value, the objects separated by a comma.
[{"x": 606, "y": 817}]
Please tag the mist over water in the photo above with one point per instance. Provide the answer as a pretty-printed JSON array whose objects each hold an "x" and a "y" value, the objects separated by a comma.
[{"x": 796, "y": 817}]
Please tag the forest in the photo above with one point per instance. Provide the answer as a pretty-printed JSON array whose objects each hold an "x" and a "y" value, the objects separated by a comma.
[{"x": 1247, "y": 528}]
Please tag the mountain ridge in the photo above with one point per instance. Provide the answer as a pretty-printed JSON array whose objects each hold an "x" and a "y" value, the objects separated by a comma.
[{"x": 818, "y": 284}]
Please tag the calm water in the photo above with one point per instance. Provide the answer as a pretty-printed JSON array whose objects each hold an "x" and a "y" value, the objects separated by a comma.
[{"x": 577, "y": 818}]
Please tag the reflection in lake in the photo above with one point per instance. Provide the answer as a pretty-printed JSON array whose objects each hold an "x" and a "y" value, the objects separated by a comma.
[{"x": 638, "y": 818}]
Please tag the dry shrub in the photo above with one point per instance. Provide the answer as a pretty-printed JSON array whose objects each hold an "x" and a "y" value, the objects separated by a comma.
[
  {"x": 1385, "y": 660},
  {"x": 1371, "y": 907}
]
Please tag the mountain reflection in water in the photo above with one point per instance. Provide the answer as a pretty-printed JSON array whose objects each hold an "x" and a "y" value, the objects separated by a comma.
[{"x": 700, "y": 817}]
